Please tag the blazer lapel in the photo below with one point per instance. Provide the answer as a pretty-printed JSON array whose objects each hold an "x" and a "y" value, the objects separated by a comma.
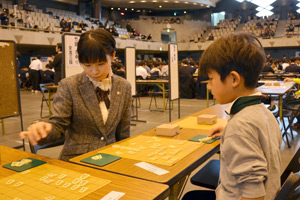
[
  {"x": 114, "y": 105},
  {"x": 89, "y": 97}
]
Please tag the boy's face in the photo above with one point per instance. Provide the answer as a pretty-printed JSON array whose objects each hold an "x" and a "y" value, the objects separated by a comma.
[{"x": 222, "y": 91}]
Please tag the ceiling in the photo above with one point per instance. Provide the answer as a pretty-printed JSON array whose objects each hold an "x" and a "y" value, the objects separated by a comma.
[{"x": 154, "y": 4}]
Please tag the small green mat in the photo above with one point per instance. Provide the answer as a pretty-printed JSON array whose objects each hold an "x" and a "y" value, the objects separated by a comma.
[
  {"x": 106, "y": 159},
  {"x": 33, "y": 164},
  {"x": 196, "y": 139}
]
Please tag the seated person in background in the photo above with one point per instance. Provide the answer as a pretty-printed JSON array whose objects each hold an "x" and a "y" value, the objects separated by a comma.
[
  {"x": 47, "y": 75},
  {"x": 63, "y": 25},
  {"x": 24, "y": 77},
  {"x": 149, "y": 37},
  {"x": 211, "y": 37},
  {"x": 92, "y": 109},
  {"x": 4, "y": 17},
  {"x": 82, "y": 26},
  {"x": 120, "y": 70},
  {"x": 251, "y": 141},
  {"x": 293, "y": 67},
  {"x": 141, "y": 71},
  {"x": 155, "y": 71},
  {"x": 267, "y": 68},
  {"x": 47, "y": 29}
]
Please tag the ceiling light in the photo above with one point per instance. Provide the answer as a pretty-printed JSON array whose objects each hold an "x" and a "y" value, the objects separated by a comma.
[
  {"x": 298, "y": 5},
  {"x": 160, "y": 6},
  {"x": 298, "y": 11},
  {"x": 207, "y": 6},
  {"x": 125, "y": 8},
  {"x": 154, "y": 1},
  {"x": 184, "y": 12},
  {"x": 202, "y": 5},
  {"x": 195, "y": 3},
  {"x": 176, "y": 1},
  {"x": 112, "y": 8},
  {"x": 143, "y": 1},
  {"x": 131, "y": 1},
  {"x": 166, "y": 1},
  {"x": 264, "y": 13},
  {"x": 240, "y": 1},
  {"x": 186, "y": 2},
  {"x": 119, "y": 8},
  {"x": 132, "y": 9}
]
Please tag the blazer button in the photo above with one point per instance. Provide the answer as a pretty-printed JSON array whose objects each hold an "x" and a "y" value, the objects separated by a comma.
[{"x": 102, "y": 138}]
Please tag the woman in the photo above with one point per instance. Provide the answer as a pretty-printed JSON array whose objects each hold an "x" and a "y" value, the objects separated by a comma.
[{"x": 86, "y": 122}]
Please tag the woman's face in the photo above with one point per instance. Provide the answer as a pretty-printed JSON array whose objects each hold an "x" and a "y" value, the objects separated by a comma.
[{"x": 98, "y": 71}]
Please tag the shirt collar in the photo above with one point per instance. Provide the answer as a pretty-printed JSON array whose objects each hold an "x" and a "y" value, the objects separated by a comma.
[
  {"x": 105, "y": 84},
  {"x": 228, "y": 109}
]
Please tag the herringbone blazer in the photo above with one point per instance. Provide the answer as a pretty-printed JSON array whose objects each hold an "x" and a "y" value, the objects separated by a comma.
[{"x": 77, "y": 115}]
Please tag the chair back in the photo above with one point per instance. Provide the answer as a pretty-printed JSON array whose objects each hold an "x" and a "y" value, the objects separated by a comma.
[
  {"x": 291, "y": 75},
  {"x": 154, "y": 75},
  {"x": 293, "y": 166},
  {"x": 35, "y": 148},
  {"x": 289, "y": 189},
  {"x": 270, "y": 77}
]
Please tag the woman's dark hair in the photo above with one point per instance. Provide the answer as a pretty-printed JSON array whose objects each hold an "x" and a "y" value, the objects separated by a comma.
[{"x": 93, "y": 46}]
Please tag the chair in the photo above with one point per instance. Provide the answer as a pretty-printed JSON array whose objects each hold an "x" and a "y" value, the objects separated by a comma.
[
  {"x": 290, "y": 75},
  {"x": 208, "y": 176},
  {"x": 270, "y": 77},
  {"x": 35, "y": 148},
  {"x": 290, "y": 189},
  {"x": 293, "y": 166},
  {"x": 44, "y": 98}
]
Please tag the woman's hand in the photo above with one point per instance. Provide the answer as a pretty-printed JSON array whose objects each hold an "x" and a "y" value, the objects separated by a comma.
[
  {"x": 36, "y": 132},
  {"x": 216, "y": 131}
]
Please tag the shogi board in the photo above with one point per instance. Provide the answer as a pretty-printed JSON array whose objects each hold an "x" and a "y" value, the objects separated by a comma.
[
  {"x": 159, "y": 150},
  {"x": 281, "y": 87},
  {"x": 35, "y": 184},
  {"x": 191, "y": 122}
]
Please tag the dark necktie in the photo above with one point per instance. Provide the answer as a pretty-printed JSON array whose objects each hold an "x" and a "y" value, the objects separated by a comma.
[{"x": 103, "y": 96}]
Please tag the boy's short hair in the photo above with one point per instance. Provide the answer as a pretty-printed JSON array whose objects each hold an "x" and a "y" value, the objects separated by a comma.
[{"x": 240, "y": 52}]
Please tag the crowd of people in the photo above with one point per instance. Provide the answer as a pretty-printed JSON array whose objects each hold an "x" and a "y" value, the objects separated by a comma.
[{"x": 283, "y": 65}]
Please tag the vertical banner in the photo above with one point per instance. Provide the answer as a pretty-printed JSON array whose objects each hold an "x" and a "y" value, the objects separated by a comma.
[
  {"x": 71, "y": 64},
  {"x": 130, "y": 68},
  {"x": 173, "y": 71}
]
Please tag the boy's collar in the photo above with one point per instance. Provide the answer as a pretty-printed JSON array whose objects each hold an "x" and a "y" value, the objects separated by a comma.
[{"x": 241, "y": 102}]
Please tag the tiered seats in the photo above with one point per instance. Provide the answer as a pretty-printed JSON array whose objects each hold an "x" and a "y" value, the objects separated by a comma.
[{"x": 256, "y": 26}]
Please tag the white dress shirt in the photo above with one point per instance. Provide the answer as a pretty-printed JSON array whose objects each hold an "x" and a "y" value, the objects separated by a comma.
[{"x": 36, "y": 65}]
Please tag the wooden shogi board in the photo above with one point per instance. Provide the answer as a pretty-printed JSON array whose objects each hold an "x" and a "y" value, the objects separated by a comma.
[
  {"x": 159, "y": 150},
  {"x": 191, "y": 122},
  {"x": 35, "y": 184}
]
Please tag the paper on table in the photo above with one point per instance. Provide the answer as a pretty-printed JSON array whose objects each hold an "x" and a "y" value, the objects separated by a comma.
[
  {"x": 151, "y": 168},
  {"x": 113, "y": 195}
]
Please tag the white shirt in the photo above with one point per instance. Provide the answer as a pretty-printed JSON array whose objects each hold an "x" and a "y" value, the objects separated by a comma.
[
  {"x": 36, "y": 65},
  {"x": 105, "y": 85},
  {"x": 141, "y": 71}
]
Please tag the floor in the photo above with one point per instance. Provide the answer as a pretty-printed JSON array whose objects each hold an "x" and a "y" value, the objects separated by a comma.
[{"x": 31, "y": 107}]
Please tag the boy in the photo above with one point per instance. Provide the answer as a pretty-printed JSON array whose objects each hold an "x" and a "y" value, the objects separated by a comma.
[{"x": 251, "y": 141}]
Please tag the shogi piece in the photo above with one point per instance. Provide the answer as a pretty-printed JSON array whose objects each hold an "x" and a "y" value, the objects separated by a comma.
[
  {"x": 207, "y": 119},
  {"x": 268, "y": 84},
  {"x": 167, "y": 130},
  {"x": 276, "y": 84}
]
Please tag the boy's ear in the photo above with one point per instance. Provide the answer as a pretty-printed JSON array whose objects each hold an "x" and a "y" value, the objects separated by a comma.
[{"x": 235, "y": 78}]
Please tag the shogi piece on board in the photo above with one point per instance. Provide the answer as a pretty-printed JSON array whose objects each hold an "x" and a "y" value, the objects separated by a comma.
[
  {"x": 268, "y": 84},
  {"x": 276, "y": 84},
  {"x": 207, "y": 119},
  {"x": 167, "y": 130}
]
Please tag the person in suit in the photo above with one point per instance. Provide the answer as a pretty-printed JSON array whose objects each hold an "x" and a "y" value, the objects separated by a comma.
[
  {"x": 57, "y": 63},
  {"x": 186, "y": 81},
  {"x": 91, "y": 109}
]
